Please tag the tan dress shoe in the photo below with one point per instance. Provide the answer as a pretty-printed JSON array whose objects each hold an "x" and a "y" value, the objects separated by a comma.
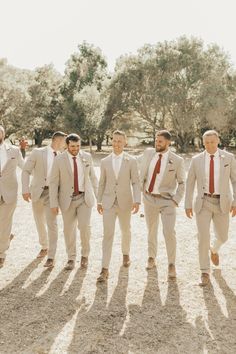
[
  {"x": 215, "y": 258},
  {"x": 42, "y": 253},
  {"x": 70, "y": 265},
  {"x": 84, "y": 262},
  {"x": 126, "y": 261},
  {"x": 2, "y": 260},
  {"x": 103, "y": 275},
  {"x": 49, "y": 263},
  {"x": 205, "y": 279},
  {"x": 171, "y": 271},
  {"x": 151, "y": 263}
]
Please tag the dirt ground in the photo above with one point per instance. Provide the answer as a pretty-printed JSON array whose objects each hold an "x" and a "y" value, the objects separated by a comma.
[{"x": 57, "y": 311}]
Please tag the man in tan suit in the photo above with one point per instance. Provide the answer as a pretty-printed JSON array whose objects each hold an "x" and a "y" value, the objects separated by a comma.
[
  {"x": 73, "y": 184},
  {"x": 213, "y": 170},
  {"x": 163, "y": 181},
  {"x": 39, "y": 165},
  {"x": 10, "y": 158},
  {"x": 119, "y": 178}
]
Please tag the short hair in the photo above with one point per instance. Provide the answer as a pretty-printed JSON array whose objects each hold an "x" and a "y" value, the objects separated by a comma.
[
  {"x": 58, "y": 134},
  {"x": 165, "y": 133},
  {"x": 2, "y": 130},
  {"x": 72, "y": 137},
  {"x": 119, "y": 132},
  {"x": 210, "y": 133}
]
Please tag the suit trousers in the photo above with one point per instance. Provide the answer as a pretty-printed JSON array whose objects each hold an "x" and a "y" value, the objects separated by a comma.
[
  {"x": 6, "y": 216},
  {"x": 210, "y": 212},
  {"x": 166, "y": 208},
  {"x": 77, "y": 215},
  {"x": 46, "y": 224},
  {"x": 109, "y": 220}
]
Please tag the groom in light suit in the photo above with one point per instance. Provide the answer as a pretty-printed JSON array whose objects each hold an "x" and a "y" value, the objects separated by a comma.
[
  {"x": 10, "y": 158},
  {"x": 213, "y": 170},
  {"x": 118, "y": 196},
  {"x": 73, "y": 187},
  {"x": 163, "y": 182}
]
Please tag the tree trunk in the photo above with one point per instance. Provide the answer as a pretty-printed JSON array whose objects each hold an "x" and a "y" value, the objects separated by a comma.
[{"x": 90, "y": 145}]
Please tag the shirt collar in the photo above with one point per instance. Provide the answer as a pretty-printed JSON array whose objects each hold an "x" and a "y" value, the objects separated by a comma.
[
  {"x": 216, "y": 154},
  {"x": 120, "y": 156},
  {"x": 164, "y": 154}
]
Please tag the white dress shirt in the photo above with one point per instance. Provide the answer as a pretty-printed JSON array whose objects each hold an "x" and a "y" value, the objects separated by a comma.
[
  {"x": 80, "y": 170},
  {"x": 116, "y": 162},
  {"x": 50, "y": 159},
  {"x": 3, "y": 156},
  {"x": 164, "y": 161},
  {"x": 216, "y": 171}
]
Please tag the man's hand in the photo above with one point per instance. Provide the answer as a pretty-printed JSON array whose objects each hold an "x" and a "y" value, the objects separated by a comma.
[
  {"x": 55, "y": 211},
  {"x": 233, "y": 211},
  {"x": 135, "y": 208},
  {"x": 27, "y": 197},
  {"x": 189, "y": 213},
  {"x": 100, "y": 209}
]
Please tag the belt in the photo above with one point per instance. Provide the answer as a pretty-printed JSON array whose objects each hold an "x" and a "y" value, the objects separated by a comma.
[
  {"x": 75, "y": 194},
  {"x": 45, "y": 188},
  {"x": 154, "y": 195},
  {"x": 212, "y": 195}
]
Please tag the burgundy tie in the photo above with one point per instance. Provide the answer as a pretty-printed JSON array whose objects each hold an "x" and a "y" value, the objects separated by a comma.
[
  {"x": 76, "y": 183},
  {"x": 155, "y": 172},
  {"x": 211, "y": 176}
]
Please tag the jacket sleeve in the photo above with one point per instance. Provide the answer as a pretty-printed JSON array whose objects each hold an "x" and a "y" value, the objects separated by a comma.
[
  {"x": 54, "y": 181},
  {"x": 233, "y": 180},
  {"x": 180, "y": 176},
  {"x": 190, "y": 184},
  {"x": 135, "y": 181},
  {"x": 27, "y": 171},
  {"x": 102, "y": 183}
]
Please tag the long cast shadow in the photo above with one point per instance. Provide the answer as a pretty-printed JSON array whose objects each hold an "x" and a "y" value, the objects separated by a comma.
[
  {"x": 222, "y": 326},
  {"x": 155, "y": 328},
  {"x": 32, "y": 323},
  {"x": 97, "y": 330}
]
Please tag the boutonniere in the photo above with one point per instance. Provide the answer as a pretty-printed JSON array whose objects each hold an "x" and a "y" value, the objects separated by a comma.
[
  {"x": 85, "y": 162},
  {"x": 126, "y": 158},
  {"x": 170, "y": 161},
  {"x": 222, "y": 156}
]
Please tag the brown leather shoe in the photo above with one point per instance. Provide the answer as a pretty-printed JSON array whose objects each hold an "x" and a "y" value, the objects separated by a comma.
[
  {"x": 42, "y": 253},
  {"x": 151, "y": 263},
  {"x": 70, "y": 265},
  {"x": 205, "y": 279},
  {"x": 103, "y": 275},
  {"x": 126, "y": 261},
  {"x": 84, "y": 262},
  {"x": 49, "y": 263},
  {"x": 215, "y": 258},
  {"x": 171, "y": 271},
  {"x": 2, "y": 260}
]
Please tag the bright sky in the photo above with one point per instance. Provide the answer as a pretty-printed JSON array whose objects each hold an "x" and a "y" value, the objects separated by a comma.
[{"x": 38, "y": 32}]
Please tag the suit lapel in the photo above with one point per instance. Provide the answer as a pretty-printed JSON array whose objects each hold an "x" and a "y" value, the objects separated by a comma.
[
  {"x": 222, "y": 162},
  {"x": 67, "y": 163},
  {"x": 168, "y": 164},
  {"x": 110, "y": 165},
  {"x": 124, "y": 161}
]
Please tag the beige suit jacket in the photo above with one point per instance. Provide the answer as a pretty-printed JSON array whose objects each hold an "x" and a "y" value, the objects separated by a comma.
[
  {"x": 61, "y": 186},
  {"x": 126, "y": 188},
  {"x": 197, "y": 174},
  {"x": 36, "y": 165},
  {"x": 172, "y": 185},
  {"x": 8, "y": 179}
]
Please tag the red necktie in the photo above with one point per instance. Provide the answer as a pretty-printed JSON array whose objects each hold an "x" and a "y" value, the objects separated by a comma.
[
  {"x": 211, "y": 176},
  {"x": 155, "y": 172},
  {"x": 76, "y": 184}
]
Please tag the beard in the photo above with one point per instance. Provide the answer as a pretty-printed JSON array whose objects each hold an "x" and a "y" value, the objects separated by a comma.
[{"x": 160, "y": 149}]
